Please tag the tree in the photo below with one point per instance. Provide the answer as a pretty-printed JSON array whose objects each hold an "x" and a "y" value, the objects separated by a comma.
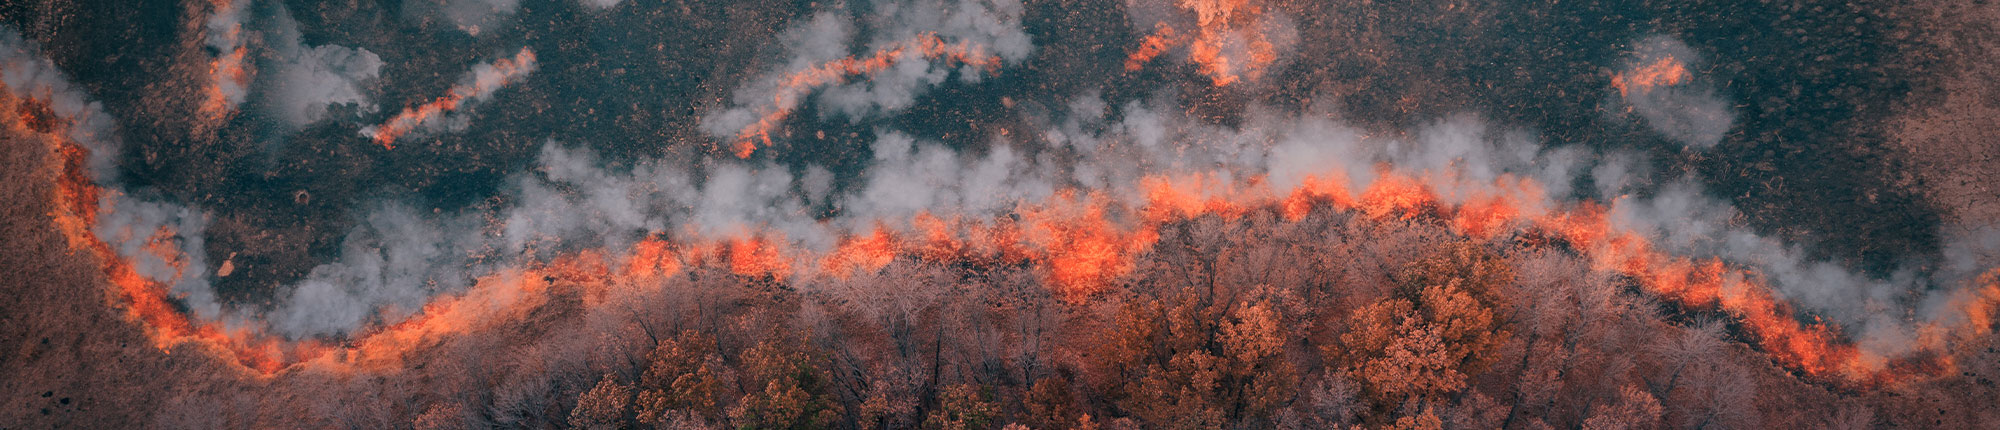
[
  {"x": 443, "y": 416},
  {"x": 794, "y": 394},
  {"x": 962, "y": 407},
  {"x": 1422, "y": 421},
  {"x": 1438, "y": 327},
  {"x": 1197, "y": 363},
  {"x": 1718, "y": 395},
  {"x": 1401, "y": 348},
  {"x": 1049, "y": 404},
  {"x": 603, "y": 407},
  {"x": 1329, "y": 402},
  {"x": 682, "y": 377},
  {"x": 1634, "y": 409},
  {"x": 1689, "y": 348}
]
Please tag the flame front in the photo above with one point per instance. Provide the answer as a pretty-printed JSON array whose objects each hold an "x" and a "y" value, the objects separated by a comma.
[
  {"x": 76, "y": 202},
  {"x": 1083, "y": 240}
]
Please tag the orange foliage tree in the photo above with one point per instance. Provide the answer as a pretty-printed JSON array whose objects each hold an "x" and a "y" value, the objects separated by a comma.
[{"x": 1436, "y": 329}]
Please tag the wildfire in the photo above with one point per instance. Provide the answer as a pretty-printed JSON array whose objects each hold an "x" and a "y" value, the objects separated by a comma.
[
  {"x": 797, "y": 84},
  {"x": 1075, "y": 238},
  {"x": 1226, "y": 44},
  {"x": 1666, "y": 71},
  {"x": 481, "y": 83},
  {"x": 1083, "y": 241},
  {"x": 75, "y": 210},
  {"x": 229, "y": 75},
  {"x": 1154, "y": 45}
]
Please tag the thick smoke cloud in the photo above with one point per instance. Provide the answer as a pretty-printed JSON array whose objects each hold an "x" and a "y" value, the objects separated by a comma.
[
  {"x": 164, "y": 242},
  {"x": 307, "y": 79}
]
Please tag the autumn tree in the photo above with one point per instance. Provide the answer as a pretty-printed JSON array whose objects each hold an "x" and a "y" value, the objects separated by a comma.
[
  {"x": 1425, "y": 420},
  {"x": 1567, "y": 319},
  {"x": 1330, "y": 401},
  {"x": 1634, "y": 409},
  {"x": 962, "y": 407},
  {"x": 789, "y": 388},
  {"x": 1437, "y": 328},
  {"x": 681, "y": 381},
  {"x": 1049, "y": 403},
  {"x": 603, "y": 407},
  {"x": 1195, "y": 363}
]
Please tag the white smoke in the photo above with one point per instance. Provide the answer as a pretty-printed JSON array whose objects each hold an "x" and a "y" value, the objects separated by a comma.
[
  {"x": 991, "y": 27},
  {"x": 29, "y": 74},
  {"x": 476, "y": 86},
  {"x": 1264, "y": 31},
  {"x": 308, "y": 78},
  {"x": 225, "y": 36},
  {"x": 394, "y": 261},
  {"x": 470, "y": 16},
  {"x": 134, "y": 227},
  {"x": 1687, "y": 111},
  {"x": 909, "y": 177},
  {"x": 396, "y": 258},
  {"x": 163, "y": 240}
]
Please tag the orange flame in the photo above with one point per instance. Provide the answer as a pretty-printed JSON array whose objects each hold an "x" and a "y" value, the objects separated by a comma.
[
  {"x": 228, "y": 72},
  {"x": 867, "y": 252},
  {"x": 1162, "y": 39},
  {"x": 795, "y": 84},
  {"x": 1667, "y": 71},
  {"x": 507, "y": 71},
  {"x": 74, "y": 212},
  {"x": 1220, "y": 23},
  {"x": 1980, "y": 310},
  {"x": 1083, "y": 241}
]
